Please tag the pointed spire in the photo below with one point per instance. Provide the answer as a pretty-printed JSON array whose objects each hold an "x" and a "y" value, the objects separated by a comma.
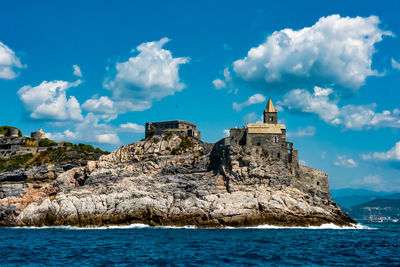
[{"x": 270, "y": 107}]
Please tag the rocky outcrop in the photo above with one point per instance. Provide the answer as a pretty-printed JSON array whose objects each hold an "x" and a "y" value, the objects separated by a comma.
[{"x": 172, "y": 180}]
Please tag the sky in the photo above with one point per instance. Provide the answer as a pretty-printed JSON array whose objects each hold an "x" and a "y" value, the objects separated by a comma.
[{"x": 96, "y": 71}]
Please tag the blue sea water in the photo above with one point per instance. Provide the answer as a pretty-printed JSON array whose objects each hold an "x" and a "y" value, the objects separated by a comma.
[{"x": 138, "y": 245}]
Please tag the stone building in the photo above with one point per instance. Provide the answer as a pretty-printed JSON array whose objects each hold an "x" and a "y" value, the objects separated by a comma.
[
  {"x": 269, "y": 136},
  {"x": 39, "y": 135},
  {"x": 177, "y": 127},
  {"x": 13, "y": 145}
]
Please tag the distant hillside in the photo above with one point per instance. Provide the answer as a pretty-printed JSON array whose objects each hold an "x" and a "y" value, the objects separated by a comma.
[
  {"x": 381, "y": 207},
  {"x": 349, "y": 197}
]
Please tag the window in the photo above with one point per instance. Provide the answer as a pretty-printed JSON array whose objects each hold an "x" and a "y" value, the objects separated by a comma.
[
  {"x": 317, "y": 183},
  {"x": 275, "y": 139},
  {"x": 271, "y": 118},
  {"x": 279, "y": 155},
  {"x": 258, "y": 144}
]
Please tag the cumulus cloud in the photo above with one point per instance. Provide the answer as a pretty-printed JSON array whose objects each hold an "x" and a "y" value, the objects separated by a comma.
[
  {"x": 77, "y": 71},
  {"x": 89, "y": 130},
  {"x": 9, "y": 63},
  {"x": 150, "y": 75},
  {"x": 226, "y": 82},
  {"x": 395, "y": 64},
  {"x": 250, "y": 117},
  {"x": 391, "y": 155},
  {"x": 132, "y": 127},
  {"x": 226, "y": 132},
  {"x": 304, "y": 131},
  {"x": 336, "y": 51},
  {"x": 48, "y": 101},
  {"x": 345, "y": 162},
  {"x": 323, "y": 103},
  {"x": 254, "y": 99},
  {"x": 219, "y": 84},
  {"x": 108, "y": 109}
]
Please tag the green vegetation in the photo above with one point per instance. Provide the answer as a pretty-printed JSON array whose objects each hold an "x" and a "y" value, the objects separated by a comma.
[
  {"x": 67, "y": 153},
  {"x": 185, "y": 144},
  {"x": 15, "y": 162},
  {"x": 168, "y": 136},
  {"x": 47, "y": 143},
  {"x": 4, "y": 130}
]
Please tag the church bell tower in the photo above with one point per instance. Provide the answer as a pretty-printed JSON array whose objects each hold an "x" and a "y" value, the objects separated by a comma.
[{"x": 270, "y": 113}]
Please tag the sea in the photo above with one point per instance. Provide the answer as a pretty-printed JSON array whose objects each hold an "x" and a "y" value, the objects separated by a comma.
[{"x": 366, "y": 244}]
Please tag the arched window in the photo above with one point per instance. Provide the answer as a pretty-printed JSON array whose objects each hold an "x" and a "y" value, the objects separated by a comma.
[
  {"x": 271, "y": 118},
  {"x": 275, "y": 139}
]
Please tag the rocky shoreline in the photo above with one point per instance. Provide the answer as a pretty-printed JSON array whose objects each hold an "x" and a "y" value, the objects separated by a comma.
[{"x": 170, "y": 181}]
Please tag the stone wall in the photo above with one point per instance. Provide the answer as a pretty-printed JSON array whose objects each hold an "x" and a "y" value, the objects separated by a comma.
[
  {"x": 316, "y": 181},
  {"x": 177, "y": 127}
]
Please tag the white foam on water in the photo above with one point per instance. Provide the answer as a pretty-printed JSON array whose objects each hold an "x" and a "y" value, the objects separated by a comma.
[{"x": 328, "y": 226}]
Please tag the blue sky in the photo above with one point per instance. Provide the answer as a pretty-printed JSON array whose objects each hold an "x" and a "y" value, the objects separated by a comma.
[{"x": 332, "y": 69}]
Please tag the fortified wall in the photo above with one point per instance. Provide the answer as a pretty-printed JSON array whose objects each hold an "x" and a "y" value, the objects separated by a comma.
[
  {"x": 12, "y": 144},
  {"x": 176, "y": 127}
]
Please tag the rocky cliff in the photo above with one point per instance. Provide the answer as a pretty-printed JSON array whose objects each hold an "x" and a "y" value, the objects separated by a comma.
[{"x": 171, "y": 180}]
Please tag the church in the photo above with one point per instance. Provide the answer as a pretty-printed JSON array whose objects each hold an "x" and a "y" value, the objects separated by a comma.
[{"x": 269, "y": 136}]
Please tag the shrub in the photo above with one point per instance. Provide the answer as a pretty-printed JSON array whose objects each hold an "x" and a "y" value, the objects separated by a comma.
[
  {"x": 47, "y": 143},
  {"x": 185, "y": 144},
  {"x": 67, "y": 144},
  {"x": 168, "y": 136}
]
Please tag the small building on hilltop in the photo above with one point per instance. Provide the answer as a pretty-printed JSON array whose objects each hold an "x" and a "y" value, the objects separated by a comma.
[
  {"x": 12, "y": 144},
  {"x": 177, "y": 127},
  {"x": 269, "y": 135},
  {"x": 39, "y": 135}
]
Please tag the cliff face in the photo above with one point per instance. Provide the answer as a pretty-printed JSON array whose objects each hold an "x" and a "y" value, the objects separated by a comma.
[{"x": 172, "y": 180}]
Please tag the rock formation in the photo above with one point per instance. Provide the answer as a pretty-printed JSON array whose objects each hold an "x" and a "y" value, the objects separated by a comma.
[{"x": 171, "y": 180}]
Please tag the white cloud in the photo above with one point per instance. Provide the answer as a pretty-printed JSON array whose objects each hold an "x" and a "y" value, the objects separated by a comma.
[
  {"x": 395, "y": 64},
  {"x": 343, "y": 161},
  {"x": 336, "y": 51},
  {"x": 107, "y": 139},
  {"x": 77, "y": 71},
  {"x": 306, "y": 131},
  {"x": 132, "y": 127},
  {"x": 302, "y": 162},
  {"x": 226, "y": 132},
  {"x": 391, "y": 155},
  {"x": 250, "y": 117},
  {"x": 254, "y": 99},
  {"x": 89, "y": 131},
  {"x": 319, "y": 103},
  {"x": 325, "y": 105},
  {"x": 375, "y": 182},
  {"x": 150, "y": 75},
  {"x": 372, "y": 179},
  {"x": 49, "y": 101},
  {"x": 226, "y": 83},
  {"x": 219, "y": 84},
  {"x": 9, "y": 62},
  {"x": 227, "y": 75},
  {"x": 108, "y": 109}
]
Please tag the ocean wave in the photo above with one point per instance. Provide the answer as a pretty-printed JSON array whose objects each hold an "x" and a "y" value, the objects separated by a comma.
[{"x": 328, "y": 226}]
